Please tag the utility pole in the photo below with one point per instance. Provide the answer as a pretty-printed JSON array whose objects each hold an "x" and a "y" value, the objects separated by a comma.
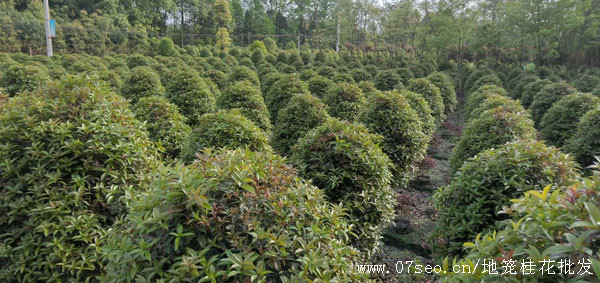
[
  {"x": 47, "y": 24},
  {"x": 337, "y": 18}
]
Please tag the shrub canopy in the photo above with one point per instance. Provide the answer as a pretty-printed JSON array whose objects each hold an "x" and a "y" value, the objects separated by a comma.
[{"x": 560, "y": 121}]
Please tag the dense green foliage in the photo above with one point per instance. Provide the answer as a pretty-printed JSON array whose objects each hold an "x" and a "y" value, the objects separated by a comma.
[
  {"x": 531, "y": 89},
  {"x": 560, "y": 121},
  {"x": 319, "y": 85},
  {"x": 282, "y": 91},
  {"x": 248, "y": 99},
  {"x": 345, "y": 161},
  {"x": 241, "y": 73},
  {"x": 546, "y": 97},
  {"x": 142, "y": 82},
  {"x": 420, "y": 105},
  {"x": 487, "y": 182},
  {"x": 389, "y": 114},
  {"x": 495, "y": 100},
  {"x": 387, "y": 80},
  {"x": 541, "y": 225},
  {"x": 214, "y": 220},
  {"x": 432, "y": 95},
  {"x": 19, "y": 78},
  {"x": 345, "y": 101},
  {"x": 70, "y": 152},
  {"x": 585, "y": 142},
  {"x": 191, "y": 94},
  {"x": 164, "y": 123},
  {"x": 224, "y": 129},
  {"x": 491, "y": 129},
  {"x": 303, "y": 113},
  {"x": 444, "y": 83},
  {"x": 477, "y": 97}
]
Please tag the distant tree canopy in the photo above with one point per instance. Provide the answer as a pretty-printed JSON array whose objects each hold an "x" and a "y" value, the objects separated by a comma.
[{"x": 543, "y": 32}]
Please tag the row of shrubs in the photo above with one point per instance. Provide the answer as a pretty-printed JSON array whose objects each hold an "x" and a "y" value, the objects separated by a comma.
[
  {"x": 193, "y": 190},
  {"x": 557, "y": 107},
  {"x": 513, "y": 197}
]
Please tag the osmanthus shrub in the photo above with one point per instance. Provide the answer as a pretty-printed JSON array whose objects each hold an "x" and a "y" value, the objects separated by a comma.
[
  {"x": 444, "y": 83},
  {"x": 303, "y": 113},
  {"x": 431, "y": 93},
  {"x": 405, "y": 75},
  {"x": 142, "y": 82},
  {"x": 531, "y": 89},
  {"x": 217, "y": 77},
  {"x": 191, "y": 94},
  {"x": 368, "y": 88},
  {"x": 488, "y": 181},
  {"x": 345, "y": 161},
  {"x": 231, "y": 216},
  {"x": 586, "y": 82},
  {"x": 390, "y": 115},
  {"x": 585, "y": 142},
  {"x": 248, "y": 99},
  {"x": 70, "y": 152},
  {"x": 136, "y": 60},
  {"x": 477, "y": 97},
  {"x": 560, "y": 121},
  {"x": 491, "y": 129},
  {"x": 386, "y": 80},
  {"x": 268, "y": 80},
  {"x": 485, "y": 80},
  {"x": 19, "y": 78},
  {"x": 224, "y": 129},
  {"x": 241, "y": 73},
  {"x": 474, "y": 75},
  {"x": 360, "y": 75},
  {"x": 546, "y": 224},
  {"x": 546, "y": 97},
  {"x": 282, "y": 91},
  {"x": 345, "y": 101},
  {"x": 496, "y": 100},
  {"x": 517, "y": 86},
  {"x": 420, "y": 105},
  {"x": 319, "y": 85},
  {"x": 164, "y": 123},
  {"x": 307, "y": 74}
]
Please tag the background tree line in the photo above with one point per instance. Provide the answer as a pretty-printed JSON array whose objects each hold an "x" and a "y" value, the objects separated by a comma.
[{"x": 541, "y": 31}]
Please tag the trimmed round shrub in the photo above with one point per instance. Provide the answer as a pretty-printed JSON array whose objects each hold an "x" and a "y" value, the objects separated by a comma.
[
  {"x": 342, "y": 77},
  {"x": 487, "y": 182},
  {"x": 241, "y": 73},
  {"x": 586, "y": 82},
  {"x": 232, "y": 216},
  {"x": 596, "y": 91},
  {"x": 491, "y": 129},
  {"x": 281, "y": 91},
  {"x": 531, "y": 89},
  {"x": 327, "y": 71},
  {"x": 306, "y": 75},
  {"x": 246, "y": 62},
  {"x": 224, "y": 129},
  {"x": 345, "y": 101},
  {"x": 217, "y": 77},
  {"x": 319, "y": 85},
  {"x": 585, "y": 143},
  {"x": 303, "y": 113},
  {"x": 389, "y": 114},
  {"x": 112, "y": 78},
  {"x": 475, "y": 75},
  {"x": 431, "y": 93},
  {"x": 477, "y": 97},
  {"x": 405, "y": 75},
  {"x": 142, "y": 82},
  {"x": 19, "y": 78},
  {"x": 496, "y": 100},
  {"x": 546, "y": 97},
  {"x": 248, "y": 99},
  {"x": 166, "y": 47},
  {"x": 269, "y": 80},
  {"x": 386, "y": 80},
  {"x": 560, "y": 122},
  {"x": 136, "y": 60},
  {"x": 70, "y": 153},
  {"x": 519, "y": 84},
  {"x": 164, "y": 123},
  {"x": 360, "y": 75},
  {"x": 368, "y": 88},
  {"x": 420, "y": 105},
  {"x": 444, "y": 83},
  {"x": 345, "y": 160},
  {"x": 485, "y": 80},
  {"x": 191, "y": 94}
]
